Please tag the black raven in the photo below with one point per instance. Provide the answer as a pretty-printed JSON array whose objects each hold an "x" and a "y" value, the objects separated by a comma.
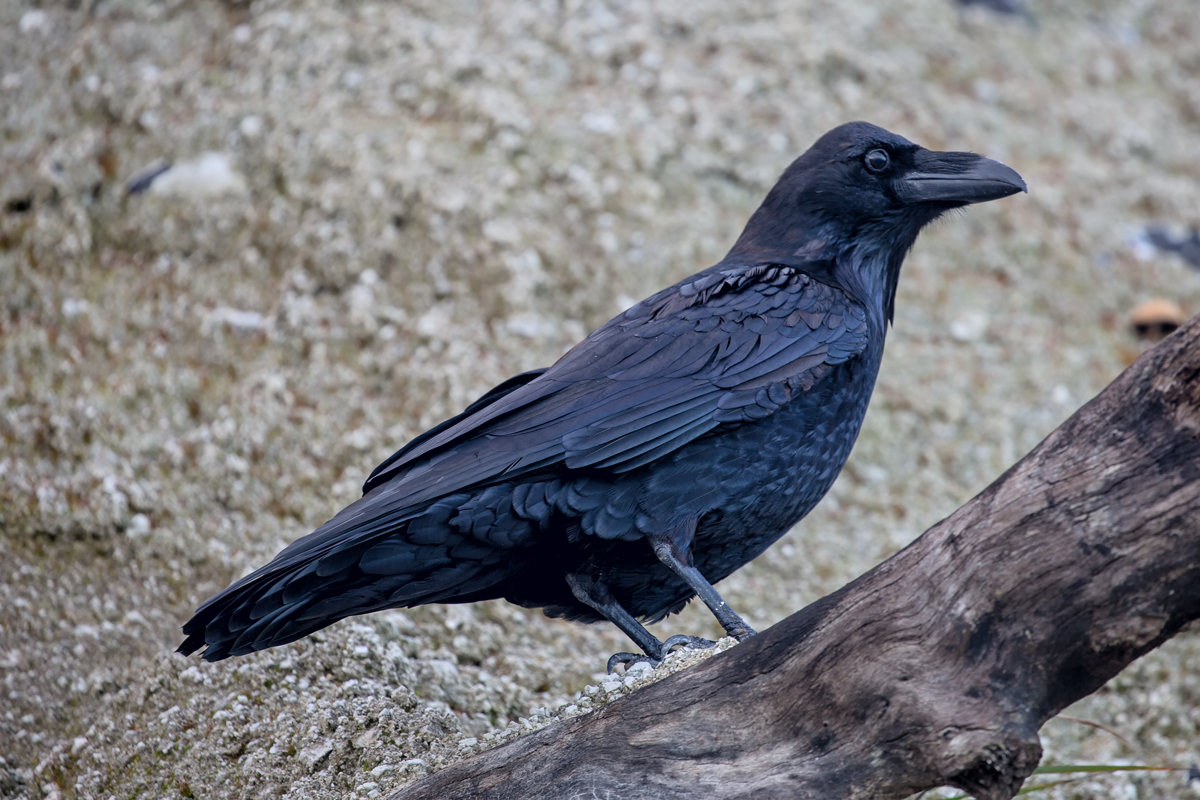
[{"x": 664, "y": 451}]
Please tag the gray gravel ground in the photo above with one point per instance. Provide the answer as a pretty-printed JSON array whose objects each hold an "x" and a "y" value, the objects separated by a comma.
[{"x": 410, "y": 202}]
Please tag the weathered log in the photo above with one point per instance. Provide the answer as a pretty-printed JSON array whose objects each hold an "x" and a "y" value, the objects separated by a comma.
[{"x": 939, "y": 666}]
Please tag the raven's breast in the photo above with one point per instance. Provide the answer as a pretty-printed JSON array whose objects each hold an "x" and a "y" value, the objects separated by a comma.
[
  {"x": 777, "y": 471},
  {"x": 750, "y": 484}
]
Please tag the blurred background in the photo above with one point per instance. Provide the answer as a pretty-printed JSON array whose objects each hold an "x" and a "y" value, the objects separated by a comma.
[{"x": 247, "y": 250}]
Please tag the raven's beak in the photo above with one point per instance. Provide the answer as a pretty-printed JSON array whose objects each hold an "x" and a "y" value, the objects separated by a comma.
[{"x": 958, "y": 179}]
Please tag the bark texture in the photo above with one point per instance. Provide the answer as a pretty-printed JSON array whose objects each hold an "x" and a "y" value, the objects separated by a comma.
[{"x": 939, "y": 666}]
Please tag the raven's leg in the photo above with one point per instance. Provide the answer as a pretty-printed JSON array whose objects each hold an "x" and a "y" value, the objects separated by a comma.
[
  {"x": 595, "y": 593},
  {"x": 678, "y": 558}
]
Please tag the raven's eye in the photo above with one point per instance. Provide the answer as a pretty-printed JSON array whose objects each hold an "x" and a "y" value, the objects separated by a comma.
[{"x": 877, "y": 160}]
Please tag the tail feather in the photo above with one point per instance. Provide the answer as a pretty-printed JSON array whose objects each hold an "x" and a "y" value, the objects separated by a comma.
[
  {"x": 374, "y": 554},
  {"x": 258, "y": 615},
  {"x": 279, "y": 604},
  {"x": 266, "y": 628}
]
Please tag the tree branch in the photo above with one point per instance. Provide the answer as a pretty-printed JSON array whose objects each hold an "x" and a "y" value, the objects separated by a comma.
[{"x": 939, "y": 666}]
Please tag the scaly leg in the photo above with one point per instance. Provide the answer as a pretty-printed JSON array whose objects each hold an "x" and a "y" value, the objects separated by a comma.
[
  {"x": 594, "y": 593},
  {"x": 678, "y": 558}
]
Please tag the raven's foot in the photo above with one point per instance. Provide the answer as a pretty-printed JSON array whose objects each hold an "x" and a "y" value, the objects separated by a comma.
[
  {"x": 677, "y": 641},
  {"x": 691, "y": 642},
  {"x": 629, "y": 659}
]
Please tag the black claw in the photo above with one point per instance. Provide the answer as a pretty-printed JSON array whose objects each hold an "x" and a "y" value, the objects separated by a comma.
[
  {"x": 682, "y": 640},
  {"x": 629, "y": 659},
  {"x": 679, "y": 640}
]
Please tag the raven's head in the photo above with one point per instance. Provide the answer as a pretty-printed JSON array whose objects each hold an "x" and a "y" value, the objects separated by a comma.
[{"x": 852, "y": 206}]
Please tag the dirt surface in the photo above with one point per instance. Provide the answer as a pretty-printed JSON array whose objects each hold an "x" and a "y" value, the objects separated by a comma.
[{"x": 377, "y": 211}]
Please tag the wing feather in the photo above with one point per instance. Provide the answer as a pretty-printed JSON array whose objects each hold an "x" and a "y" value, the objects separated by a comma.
[{"x": 659, "y": 376}]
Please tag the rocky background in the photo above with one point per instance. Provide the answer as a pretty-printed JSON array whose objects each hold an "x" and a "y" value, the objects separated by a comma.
[{"x": 376, "y": 211}]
